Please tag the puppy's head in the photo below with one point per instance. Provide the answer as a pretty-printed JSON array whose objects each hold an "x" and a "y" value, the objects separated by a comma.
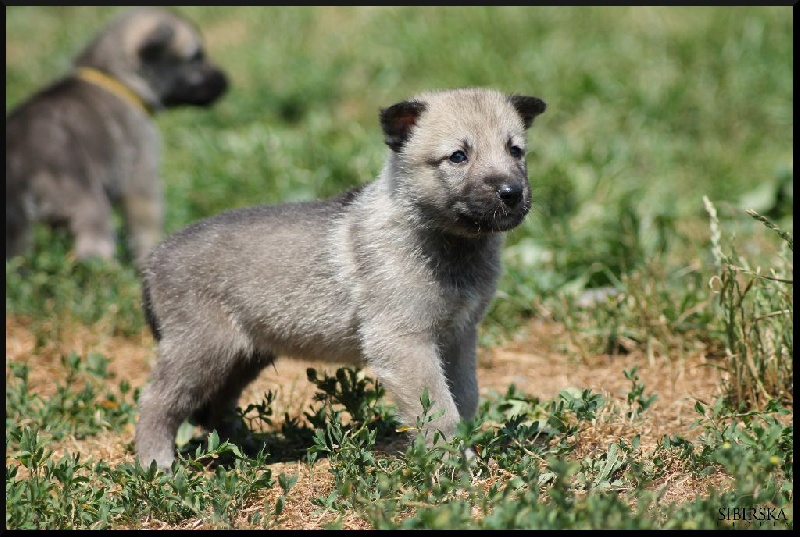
[
  {"x": 459, "y": 157},
  {"x": 160, "y": 56}
]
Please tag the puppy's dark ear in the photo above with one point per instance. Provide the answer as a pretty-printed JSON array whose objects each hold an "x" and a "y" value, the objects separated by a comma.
[
  {"x": 528, "y": 107},
  {"x": 156, "y": 42},
  {"x": 397, "y": 121}
]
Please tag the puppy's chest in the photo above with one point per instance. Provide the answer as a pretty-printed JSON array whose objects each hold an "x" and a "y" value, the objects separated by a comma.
[
  {"x": 422, "y": 282},
  {"x": 461, "y": 290}
]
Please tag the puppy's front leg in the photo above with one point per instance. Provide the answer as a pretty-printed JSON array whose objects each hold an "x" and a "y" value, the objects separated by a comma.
[
  {"x": 406, "y": 365},
  {"x": 91, "y": 224},
  {"x": 144, "y": 216},
  {"x": 460, "y": 366}
]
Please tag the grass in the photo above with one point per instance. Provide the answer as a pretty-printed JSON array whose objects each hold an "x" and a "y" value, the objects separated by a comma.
[
  {"x": 522, "y": 475},
  {"x": 661, "y": 236}
]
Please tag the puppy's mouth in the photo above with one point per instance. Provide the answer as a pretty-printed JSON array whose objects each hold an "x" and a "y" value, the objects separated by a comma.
[
  {"x": 197, "y": 87},
  {"x": 498, "y": 216},
  {"x": 491, "y": 204}
]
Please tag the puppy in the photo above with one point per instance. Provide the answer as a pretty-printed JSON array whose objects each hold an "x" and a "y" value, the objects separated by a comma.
[
  {"x": 395, "y": 274},
  {"x": 88, "y": 143}
]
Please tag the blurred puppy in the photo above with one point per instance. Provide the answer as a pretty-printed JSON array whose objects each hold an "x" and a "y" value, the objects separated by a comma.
[
  {"x": 88, "y": 142},
  {"x": 395, "y": 274}
]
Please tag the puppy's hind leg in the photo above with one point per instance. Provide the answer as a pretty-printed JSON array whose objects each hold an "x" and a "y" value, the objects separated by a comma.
[
  {"x": 162, "y": 408},
  {"x": 219, "y": 413},
  {"x": 19, "y": 225},
  {"x": 186, "y": 379}
]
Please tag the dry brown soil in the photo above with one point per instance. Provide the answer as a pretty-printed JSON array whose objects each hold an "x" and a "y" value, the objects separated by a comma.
[{"x": 528, "y": 361}]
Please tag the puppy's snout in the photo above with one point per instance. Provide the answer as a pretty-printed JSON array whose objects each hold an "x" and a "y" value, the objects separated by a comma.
[
  {"x": 510, "y": 193},
  {"x": 198, "y": 86}
]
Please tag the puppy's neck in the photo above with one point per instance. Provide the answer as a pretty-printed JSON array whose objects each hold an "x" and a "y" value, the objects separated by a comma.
[{"x": 111, "y": 84}]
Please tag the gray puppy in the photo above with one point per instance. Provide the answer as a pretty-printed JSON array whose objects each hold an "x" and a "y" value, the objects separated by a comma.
[
  {"x": 88, "y": 142},
  {"x": 395, "y": 274}
]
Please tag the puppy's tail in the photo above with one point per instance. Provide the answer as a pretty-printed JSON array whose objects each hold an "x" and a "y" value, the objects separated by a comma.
[{"x": 149, "y": 314}]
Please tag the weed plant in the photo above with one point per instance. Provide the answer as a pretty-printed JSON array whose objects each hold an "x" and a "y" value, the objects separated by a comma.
[{"x": 517, "y": 475}]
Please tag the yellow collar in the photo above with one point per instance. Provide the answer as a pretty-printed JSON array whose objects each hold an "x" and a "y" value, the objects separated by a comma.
[{"x": 113, "y": 85}]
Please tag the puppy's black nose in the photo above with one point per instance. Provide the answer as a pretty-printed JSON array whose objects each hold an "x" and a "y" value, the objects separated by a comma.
[{"x": 510, "y": 194}]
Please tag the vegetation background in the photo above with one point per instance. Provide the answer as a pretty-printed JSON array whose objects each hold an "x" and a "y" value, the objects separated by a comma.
[{"x": 636, "y": 366}]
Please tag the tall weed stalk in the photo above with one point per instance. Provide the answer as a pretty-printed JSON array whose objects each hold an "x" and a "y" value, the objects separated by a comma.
[{"x": 757, "y": 312}]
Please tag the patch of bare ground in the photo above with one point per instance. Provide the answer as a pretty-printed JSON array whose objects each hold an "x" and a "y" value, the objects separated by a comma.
[
  {"x": 679, "y": 382},
  {"x": 529, "y": 362}
]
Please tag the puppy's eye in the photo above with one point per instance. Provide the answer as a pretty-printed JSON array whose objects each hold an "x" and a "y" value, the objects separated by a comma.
[
  {"x": 516, "y": 151},
  {"x": 458, "y": 157}
]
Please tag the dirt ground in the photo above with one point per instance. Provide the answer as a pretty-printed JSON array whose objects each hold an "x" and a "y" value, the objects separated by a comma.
[{"x": 528, "y": 361}]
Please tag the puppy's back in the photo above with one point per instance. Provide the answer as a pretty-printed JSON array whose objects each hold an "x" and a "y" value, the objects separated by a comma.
[
  {"x": 44, "y": 126},
  {"x": 269, "y": 270}
]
